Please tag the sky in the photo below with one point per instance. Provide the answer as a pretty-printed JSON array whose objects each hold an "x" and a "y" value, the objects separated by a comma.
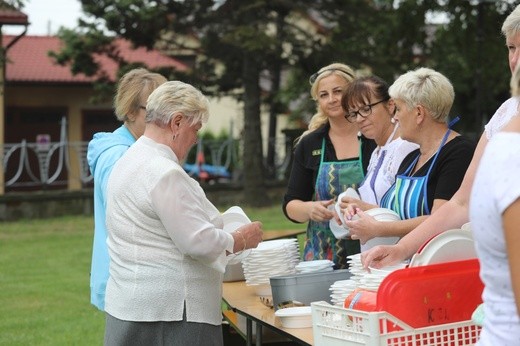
[{"x": 46, "y": 16}]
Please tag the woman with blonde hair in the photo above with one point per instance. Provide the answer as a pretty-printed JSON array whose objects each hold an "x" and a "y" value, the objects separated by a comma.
[
  {"x": 328, "y": 158},
  {"x": 167, "y": 245},
  {"x": 103, "y": 151}
]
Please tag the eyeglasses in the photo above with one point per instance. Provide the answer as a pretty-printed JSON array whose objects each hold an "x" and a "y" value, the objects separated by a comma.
[
  {"x": 312, "y": 78},
  {"x": 142, "y": 107},
  {"x": 364, "y": 111}
]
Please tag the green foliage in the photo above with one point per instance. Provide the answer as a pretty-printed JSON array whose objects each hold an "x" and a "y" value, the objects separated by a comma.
[
  {"x": 247, "y": 44},
  {"x": 470, "y": 50},
  {"x": 389, "y": 38}
]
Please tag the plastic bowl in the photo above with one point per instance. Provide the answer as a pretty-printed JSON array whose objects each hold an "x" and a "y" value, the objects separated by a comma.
[
  {"x": 295, "y": 317},
  {"x": 263, "y": 290}
]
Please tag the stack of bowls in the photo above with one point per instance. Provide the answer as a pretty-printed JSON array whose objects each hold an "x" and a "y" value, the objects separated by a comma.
[{"x": 270, "y": 258}]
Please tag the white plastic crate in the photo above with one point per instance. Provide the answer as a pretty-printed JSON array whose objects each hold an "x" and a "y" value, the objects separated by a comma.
[{"x": 333, "y": 325}]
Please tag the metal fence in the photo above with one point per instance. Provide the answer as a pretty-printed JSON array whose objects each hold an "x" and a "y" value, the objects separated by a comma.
[{"x": 37, "y": 165}]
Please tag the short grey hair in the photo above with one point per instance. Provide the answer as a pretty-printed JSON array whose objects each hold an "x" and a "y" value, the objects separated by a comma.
[
  {"x": 176, "y": 97},
  {"x": 511, "y": 25},
  {"x": 425, "y": 87}
]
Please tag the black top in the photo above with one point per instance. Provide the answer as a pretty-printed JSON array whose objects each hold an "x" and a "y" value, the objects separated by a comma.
[
  {"x": 306, "y": 162},
  {"x": 449, "y": 169}
]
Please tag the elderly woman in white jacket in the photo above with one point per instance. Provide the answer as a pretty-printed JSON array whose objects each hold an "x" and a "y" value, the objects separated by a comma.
[{"x": 166, "y": 240}]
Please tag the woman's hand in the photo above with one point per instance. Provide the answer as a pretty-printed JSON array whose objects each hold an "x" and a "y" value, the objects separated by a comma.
[
  {"x": 247, "y": 236},
  {"x": 350, "y": 204},
  {"x": 364, "y": 227},
  {"x": 319, "y": 210},
  {"x": 383, "y": 255}
]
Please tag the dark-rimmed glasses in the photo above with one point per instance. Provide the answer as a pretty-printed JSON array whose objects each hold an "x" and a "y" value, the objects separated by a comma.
[
  {"x": 363, "y": 111},
  {"x": 312, "y": 78}
]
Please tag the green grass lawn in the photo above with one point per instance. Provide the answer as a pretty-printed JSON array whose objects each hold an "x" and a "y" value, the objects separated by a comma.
[{"x": 44, "y": 279}]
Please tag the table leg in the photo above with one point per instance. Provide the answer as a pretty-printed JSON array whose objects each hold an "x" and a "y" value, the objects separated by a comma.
[
  {"x": 258, "y": 334},
  {"x": 249, "y": 332}
]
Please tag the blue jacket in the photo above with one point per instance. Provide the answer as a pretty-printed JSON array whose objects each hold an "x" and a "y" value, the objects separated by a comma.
[{"x": 104, "y": 150}]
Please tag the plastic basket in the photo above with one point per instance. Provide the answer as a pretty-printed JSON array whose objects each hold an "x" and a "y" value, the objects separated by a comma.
[{"x": 333, "y": 325}]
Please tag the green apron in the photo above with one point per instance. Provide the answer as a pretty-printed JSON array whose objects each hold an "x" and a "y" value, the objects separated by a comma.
[{"x": 333, "y": 178}]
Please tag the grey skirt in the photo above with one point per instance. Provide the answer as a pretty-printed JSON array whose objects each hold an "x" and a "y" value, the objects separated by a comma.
[{"x": 160, "y": 333}]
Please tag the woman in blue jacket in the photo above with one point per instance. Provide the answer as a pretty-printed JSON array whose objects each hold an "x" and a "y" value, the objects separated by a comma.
[{"x": 104, "y": 150}]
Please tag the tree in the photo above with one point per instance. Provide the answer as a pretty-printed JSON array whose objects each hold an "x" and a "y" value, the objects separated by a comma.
[
  {"x": 470, "y": 49},
  {"x": 238, "y": 41},
  {"x": 459, "y": 38}
]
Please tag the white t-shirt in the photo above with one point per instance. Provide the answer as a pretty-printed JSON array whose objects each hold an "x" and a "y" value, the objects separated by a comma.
[{"x": 496, "y": 186}]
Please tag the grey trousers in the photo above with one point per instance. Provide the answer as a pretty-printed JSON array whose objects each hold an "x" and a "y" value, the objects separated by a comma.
[{"x": 160, "y": 333}]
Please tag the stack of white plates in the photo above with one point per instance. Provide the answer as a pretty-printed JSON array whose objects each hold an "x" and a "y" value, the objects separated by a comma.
[
  {"x": 314, "y": 266},
  {"x": 270, "y": 258},
  {"x": 340, "y": 290},
  {"x": 360, "y": 278},
  {"x": 233, "y": 219}
]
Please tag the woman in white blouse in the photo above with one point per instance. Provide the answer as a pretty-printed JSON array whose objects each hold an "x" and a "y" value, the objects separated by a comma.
[
  {"x": 495, "y": 220},
  {"x": 369, "y": 105},
  {"x": 166, "y": 240}
]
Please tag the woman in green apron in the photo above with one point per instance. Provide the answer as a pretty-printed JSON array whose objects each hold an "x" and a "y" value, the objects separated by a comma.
[
  {"x": 329, "y": 157},
  {"x": 428, "y": 176}
]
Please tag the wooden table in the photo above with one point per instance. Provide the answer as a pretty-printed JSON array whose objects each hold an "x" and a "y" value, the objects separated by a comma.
[
  {"x": 282, "y": 234},
  {"x": 243, "y": 300}
]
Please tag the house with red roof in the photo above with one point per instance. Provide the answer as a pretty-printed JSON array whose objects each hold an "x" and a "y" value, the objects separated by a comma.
[{"x": 39, "y": 92}]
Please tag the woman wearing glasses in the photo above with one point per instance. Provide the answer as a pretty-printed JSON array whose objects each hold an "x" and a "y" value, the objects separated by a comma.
[
  {"x": 428, "y": 176},
  {"x": 328, "y": 158},
  {"x": 369, "y": 105}
]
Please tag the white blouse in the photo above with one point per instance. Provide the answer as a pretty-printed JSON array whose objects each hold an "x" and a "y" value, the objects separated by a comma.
[
  {"x": 495, "y": 188},
  {"x": 504, "y": 113},
  {"x": 165, "y": 240},
  {"x": 382, "y": 169},
  {"x": 384, "y": 176}
]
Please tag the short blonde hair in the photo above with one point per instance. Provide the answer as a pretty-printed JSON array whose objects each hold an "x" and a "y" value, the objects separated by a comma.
[
  {"x": 511, "y": 25},
  {"x": 176, "y": 97},
  {"x": 133, "y": 89},
  {"x": 425, "y": 87}
]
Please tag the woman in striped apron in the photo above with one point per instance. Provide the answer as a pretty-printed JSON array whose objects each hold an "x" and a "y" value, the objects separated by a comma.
[{"x": 428, "y": 176}]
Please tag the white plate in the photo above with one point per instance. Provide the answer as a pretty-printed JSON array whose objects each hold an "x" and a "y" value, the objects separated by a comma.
[
  {"x": 381, "y": 214},
  {"x": 466, "y": 226},
  {"x": 448, "y": 246},
  {"x": 314, "y": 263},
  {"x": 234, "y": 218}
]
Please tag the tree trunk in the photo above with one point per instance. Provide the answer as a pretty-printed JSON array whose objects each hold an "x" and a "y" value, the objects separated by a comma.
[
  {"x": 274, "y": 104},
  {"x": 255, "y": 192}
]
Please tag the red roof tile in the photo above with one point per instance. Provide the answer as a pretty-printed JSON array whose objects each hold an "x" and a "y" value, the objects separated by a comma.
[{"x": 28, "y": 60}]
